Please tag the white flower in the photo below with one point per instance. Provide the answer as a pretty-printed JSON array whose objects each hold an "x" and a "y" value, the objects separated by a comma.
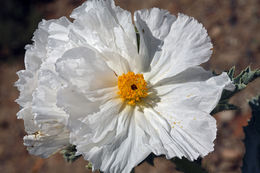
[
  {"x": 121, "y": 103},
  {"x": 38, "y": 84}
]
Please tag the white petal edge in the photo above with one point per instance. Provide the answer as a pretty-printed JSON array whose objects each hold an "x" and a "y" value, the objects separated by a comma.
[
  {"x": 108, "y": 29},
  {"x": 167, "y": 136},
  {"x": 153, "y": 26},
  {"x": 186, "y": 44}
]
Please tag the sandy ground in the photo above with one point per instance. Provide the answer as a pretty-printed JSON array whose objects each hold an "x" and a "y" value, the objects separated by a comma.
[{"x": 234, "y": 28}]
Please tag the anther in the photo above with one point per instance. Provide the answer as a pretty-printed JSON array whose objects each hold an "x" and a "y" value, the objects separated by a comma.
[{"x": 133, "y": 87}]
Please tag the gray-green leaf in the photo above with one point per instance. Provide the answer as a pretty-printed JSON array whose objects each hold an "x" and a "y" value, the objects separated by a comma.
[
  {"x": 69, "y": 153},
  {"x": 240, "y": 82}
]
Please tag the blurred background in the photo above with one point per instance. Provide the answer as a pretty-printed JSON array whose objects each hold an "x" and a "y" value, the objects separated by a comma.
[{"x": 233, "y": 25}]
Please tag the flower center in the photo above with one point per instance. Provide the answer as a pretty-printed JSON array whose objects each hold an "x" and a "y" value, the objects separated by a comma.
[{"x": 132, "y": 87}]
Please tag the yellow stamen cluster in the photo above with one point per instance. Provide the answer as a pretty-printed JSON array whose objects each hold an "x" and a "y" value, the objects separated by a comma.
[{"x": 132, "y": 87}]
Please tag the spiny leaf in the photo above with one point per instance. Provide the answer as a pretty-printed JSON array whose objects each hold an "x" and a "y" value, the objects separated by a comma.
[
  {"x": 240, "y": 82},
  {"x": 187, "y": 166},
  {"x": 251, "y": 160},
  {"x": 69, "y": 153},
  {"x": 231, "y": 72}
]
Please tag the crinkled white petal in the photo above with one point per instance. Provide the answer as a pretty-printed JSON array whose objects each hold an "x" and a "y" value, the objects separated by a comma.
[
  {"x": 85, "y": 68},
  {"x": 25, "y": 84},
  {"x": 44, "y": 145},
  {"x": 192, "y": 95},
  {"x": 192, "y": 74},
  {"x": 79, "y": 105},
  {"x": 90, "y": 82},
  {"x": 174, "y": 46},
  {"x": 110, "y": 139},
  {"x": 28, "y": 117},
  {"x": 109, "y": 30},
  {"x": 38, "y": 143},
  {"x": 153, "y": 26},
  {"x": 44, "y": 96},
  {"x": 35, "y": 55},
  {"x": 44, "y": 121},
  {"x": 50, "y": 118},
  {"x": 43, "y": 39},
  {"x": 174, "y": 137}
]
